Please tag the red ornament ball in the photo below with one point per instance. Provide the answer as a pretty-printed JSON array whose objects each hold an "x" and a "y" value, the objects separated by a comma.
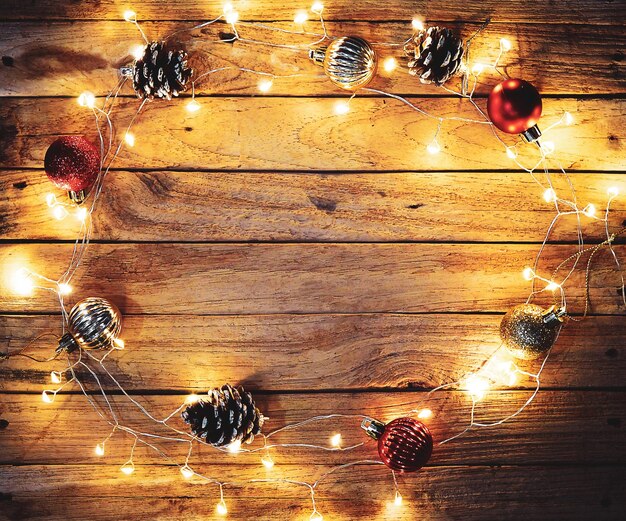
[
  {"x": 514, "y": 106},
  {"x": 405, "y": 445},
  {"x": 72, "y": 163}
]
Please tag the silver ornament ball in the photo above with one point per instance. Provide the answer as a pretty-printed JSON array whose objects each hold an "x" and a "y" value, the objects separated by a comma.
[
  {"x": 349, "y": 62},
  {"x": 93, "y": 323},
  {"x": 528, "y": 331}
]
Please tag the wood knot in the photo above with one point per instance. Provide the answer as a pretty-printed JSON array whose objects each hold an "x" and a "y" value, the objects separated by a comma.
[
  {"x": 324, "y": 204},
  {"x": 8, "y": 61},
  {"x": 3, "y": 424},
  {"x": 20, "y": 185}
]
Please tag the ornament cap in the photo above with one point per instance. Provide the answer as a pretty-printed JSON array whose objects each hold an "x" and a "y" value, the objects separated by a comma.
[
  {"x": 532, "y": 134},
  {"x": 554, "y": 315},
  {"x": 318, "y": 55},
  {"x": 67, "y": 343},
  {"x": 77, "y": 197},
  {"x": 373, "y": 428}
]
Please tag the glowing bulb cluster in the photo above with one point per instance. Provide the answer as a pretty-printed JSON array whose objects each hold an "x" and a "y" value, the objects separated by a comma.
[
  {"x": 87, "y": 99},
  {"x": 476, "y": 386},
  {"x": 22, "y": 282}
]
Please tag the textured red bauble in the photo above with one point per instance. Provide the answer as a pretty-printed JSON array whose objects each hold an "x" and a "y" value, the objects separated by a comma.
[
  {"x": 514, "y": 106},
  {"x": 404, "y": 444},
  {"x": 72, "y": 163}
]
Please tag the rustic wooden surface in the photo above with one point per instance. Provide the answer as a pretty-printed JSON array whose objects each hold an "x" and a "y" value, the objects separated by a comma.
[{"x": 327, "y": 263}]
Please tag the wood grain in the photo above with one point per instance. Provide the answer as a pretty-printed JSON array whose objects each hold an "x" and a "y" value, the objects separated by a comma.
[
  {"x": 256, "y": 206},
  {"x": 603, "y": 12},
  {"x": 52, "y": 59},
  {"x": 561, "y": 427},
  {"x": 316, "y": 352},
  {"x": 440, "y": 493},
  {"x": 246, "y": 134},
  {"x": 304, "y": 278}
]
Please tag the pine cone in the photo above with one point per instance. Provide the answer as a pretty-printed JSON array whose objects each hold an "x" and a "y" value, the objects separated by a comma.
[
  {"x": 161, "y": 72},
  {"x": 226, "y": 415},
  {"x": 434, "y": 55}
]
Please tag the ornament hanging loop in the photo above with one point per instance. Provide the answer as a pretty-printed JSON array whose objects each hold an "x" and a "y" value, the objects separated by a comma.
[{"x": 373, "y": 428}]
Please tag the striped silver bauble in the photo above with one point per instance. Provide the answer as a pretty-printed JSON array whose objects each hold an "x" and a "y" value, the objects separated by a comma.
[
  {"x": 349, "y": 62},
  {"x": 93, "y": 323}
]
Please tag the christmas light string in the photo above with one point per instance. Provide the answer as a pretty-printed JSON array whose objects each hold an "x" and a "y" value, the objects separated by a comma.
[{"x": 477, "y": 383}]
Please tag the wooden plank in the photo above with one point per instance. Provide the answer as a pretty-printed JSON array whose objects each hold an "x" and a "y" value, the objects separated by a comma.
[
  {"x": 567, "y": 11},
  {"x": 304, "y": 278},
  {"x": 436, "y": 493},
  {"x": 52, "y": 59},
  {"x": 295, "y": 352},
  {"x": 572, "y": 427},
  {"x": 255, "y": 206},
  {"x": 377, "y": 134}
]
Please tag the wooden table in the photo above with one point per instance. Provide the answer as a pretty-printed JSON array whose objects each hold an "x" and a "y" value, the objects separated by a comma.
[{"x": 325, "y": 262}]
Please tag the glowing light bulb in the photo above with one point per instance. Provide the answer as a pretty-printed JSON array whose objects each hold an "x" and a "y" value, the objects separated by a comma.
[
  {"x": 549, "y": 195},
  {"x": 265, "y": 85},
  {"x": 528, "y": 273},
  {"x": 232, "y": 17},
  {"x": 130, "y": 15},
  {"x": 511, "y": 152},
  {"x": 317, "y": 7},
  {"x": 547, "y": 147},
  {"x": 341, "y": 108},
  {"x": 552, "y": 286},
  {"x": 187, "y": 472},
  {"x": 234, "y": 447},
  {"x": 99, "y": 450},
  {"x": 118, "y": 343},
  {"x": 228, "y": 7},
  {"x": 569, "y": 119},
  {"x": 398, "y": 499},
  {"x": 335, "y": 440},
  {"x": 192, "y": 398},
  {"x": 130, "y": 139},
  {"x": 590, "y": 210},
  {"x": 477, "y": 69},
  {"x": 81, "y": 214},
  {"x": 424, "y": 414},
  {"x": 268, "y": 462},
  {"x": 87, "y": 99},
  {"x": 613, "y": 191},
  {"x": 22, "y": 282},
  {"x": 390, "y": 64},
  {"x": 128, "y": 468},
  {"x": 301, "y": 17},
  {"x": 59, "y": 212},
  {"x": 433, "y": 148},
  {"x": 316, "y": 516},
  {"x": 48, "y": 396},
  {"x": 193, "y": 106},
  {"x": 137, "y": 51},
  {"x": 55, "y": 377},
  {"x": 64, "y": 288},
  {"x": 221, "y": 508},
  {"x": 505, "y": 44},
  {"x": 476, "y": 386},
  {"x": 417, "y": 24},
  {"x": 51, "y": 200}
]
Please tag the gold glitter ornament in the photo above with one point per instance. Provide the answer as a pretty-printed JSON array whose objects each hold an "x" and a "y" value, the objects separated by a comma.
[
  {"x": 528, "y": 331},
  {"x": 349, "y": 62}
]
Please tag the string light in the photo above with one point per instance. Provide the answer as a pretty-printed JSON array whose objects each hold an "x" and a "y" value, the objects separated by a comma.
[
  {"x": 130, "y": 15},
  {"x": 99, "y": 450},
  {"x": 221, "y": 508},
  {"x": 433, "y": 147},
  {"x": 128, "y": 468},
  {"x": 22, "y": 282},
  {"x": 232, "y": 17},
  {"x": 192, "y": 398},
  {"x": 335, "y": 440},
  {"x": 342, "y": 107},
  {"x": 234, "y": 447},
  {"x": 193, "y": 106},
  {"x": 130, "y": 139},
  {"x": 613, "y": 191},
  {"x": 137, "y": 51},
  {"x": 81, "y": 214},
  {"x": 505, "y": 44},
  {"x": 552, "y": 286},
  {"x": 477, "y": 69},
  {"x": 48, "y": 396},
  {"x": 51, "y": 200},
  {"x": 511, "y": 152},
  {"x": 417, "y": 25},
  {"x": 424, "y": 414},
  {"x": 547, "y": 147},
  {"x": 118, "y": 343},
  {"x": 55, "y": 377},
  {"x": 59, "y": 212},
  {"x": 268, "y": 462},
  {"x": 300, "y": 17},
  {"x": 390, "y": 64},
  {"x": 316, "y": 516},
  {"x": 317, "y": 7},
  {"x": 397, "y": 500},
  {"x": 528, "y": 273},
  {"x": 569, "y": 119},
  {"x": 589, "y": 210},
  {"x": 87, "y": 99},
  {"x": 549, "y": 196},
  {"x": 64, "y": 288},
  {"x": 265, "y": 85},
  {"x": 187, "y": 472},
  {"x": 476, "y": 386}
]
